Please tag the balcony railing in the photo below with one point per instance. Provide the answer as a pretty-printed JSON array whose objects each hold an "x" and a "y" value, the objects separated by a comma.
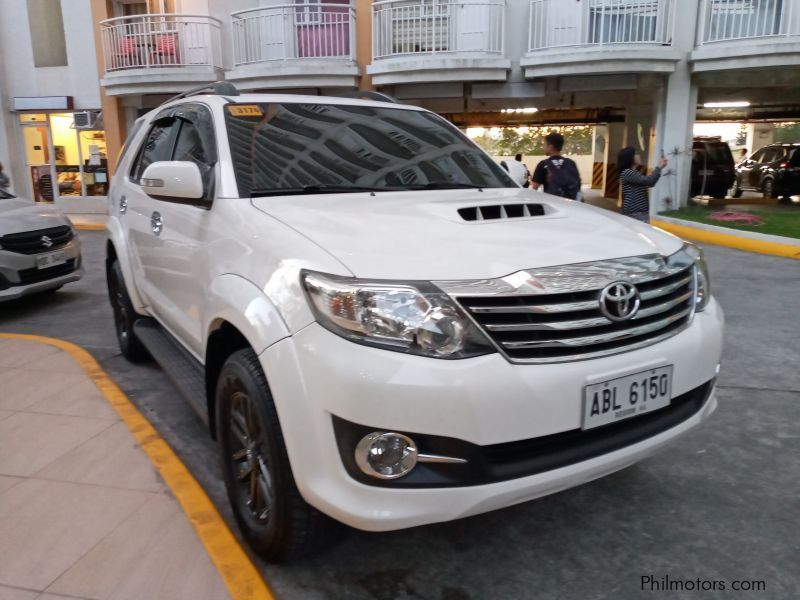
[
  {"x": 403, "y": 27},
  {"x": 556, "y": 23},
  {"x": 161, "y": 40},
  {"x": 726, "y": 20},
  {"x": 289, "y": 31}
]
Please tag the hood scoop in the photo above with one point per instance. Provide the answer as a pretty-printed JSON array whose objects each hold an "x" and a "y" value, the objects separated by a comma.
[{"x": 502, "y": 211}]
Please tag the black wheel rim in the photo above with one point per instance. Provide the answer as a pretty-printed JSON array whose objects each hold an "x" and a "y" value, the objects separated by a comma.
[
  {"x": 251, "y": 474},
  {"x": 120, "y": 311}
]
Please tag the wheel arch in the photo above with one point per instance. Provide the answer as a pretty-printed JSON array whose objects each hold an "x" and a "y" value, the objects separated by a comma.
[{"x": 239, "y": 316}]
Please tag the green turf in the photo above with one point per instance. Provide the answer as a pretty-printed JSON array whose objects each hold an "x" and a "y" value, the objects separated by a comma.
[{"x": 778, "y": 220}]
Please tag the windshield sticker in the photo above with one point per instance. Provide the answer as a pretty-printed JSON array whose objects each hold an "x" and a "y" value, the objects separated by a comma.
[{"x": 245, "y": 110}]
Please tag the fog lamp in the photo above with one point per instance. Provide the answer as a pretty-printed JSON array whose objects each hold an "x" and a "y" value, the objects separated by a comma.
[{"x": 386, "y": 455}]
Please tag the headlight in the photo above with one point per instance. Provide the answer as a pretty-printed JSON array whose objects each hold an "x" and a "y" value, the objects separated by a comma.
[
  {"x": 416, "y": 318},
  {"x": 703, "y": 280}
]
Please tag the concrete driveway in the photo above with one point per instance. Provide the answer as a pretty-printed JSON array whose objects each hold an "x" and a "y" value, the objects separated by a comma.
[{"x": 723, "y": 505}]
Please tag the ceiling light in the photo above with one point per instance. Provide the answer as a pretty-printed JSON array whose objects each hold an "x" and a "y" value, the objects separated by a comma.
[
  {"x": 734, "y": 104},
  {"x": 519, "y": 110}
]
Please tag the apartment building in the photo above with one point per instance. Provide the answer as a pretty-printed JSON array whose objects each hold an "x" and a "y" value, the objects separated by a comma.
[{"x": 642, "y": 71}]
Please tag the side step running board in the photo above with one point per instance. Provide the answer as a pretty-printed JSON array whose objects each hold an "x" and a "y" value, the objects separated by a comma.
[{"x": 181, "y": 367}]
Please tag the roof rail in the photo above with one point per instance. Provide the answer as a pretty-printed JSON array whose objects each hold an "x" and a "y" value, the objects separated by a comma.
[
  {"x": 218, "y": 88},
  {"x": 370, "y": 95}
]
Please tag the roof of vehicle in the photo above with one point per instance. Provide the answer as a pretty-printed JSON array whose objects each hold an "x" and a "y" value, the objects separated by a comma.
[{"x": 783, "y": 145}]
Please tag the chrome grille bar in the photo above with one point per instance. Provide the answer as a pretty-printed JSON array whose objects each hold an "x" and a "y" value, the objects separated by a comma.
[
  {"x": 553, "y": 314},
  {"x": 603, "y": 337}
]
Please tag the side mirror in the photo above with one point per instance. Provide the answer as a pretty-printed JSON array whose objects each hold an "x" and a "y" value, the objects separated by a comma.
[{"x": 174, "y": 181}]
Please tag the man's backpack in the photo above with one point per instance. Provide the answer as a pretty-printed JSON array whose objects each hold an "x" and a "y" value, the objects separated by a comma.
[{"x": 563, "y": 178}]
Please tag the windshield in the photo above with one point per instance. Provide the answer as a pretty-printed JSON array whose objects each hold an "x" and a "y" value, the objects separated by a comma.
[{"x": 293, "y": 148}]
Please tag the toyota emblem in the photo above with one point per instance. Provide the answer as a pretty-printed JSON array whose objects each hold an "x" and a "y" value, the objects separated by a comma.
[
  {"x": 619, "y": 301},
  {"x": 46, "y": 241}
]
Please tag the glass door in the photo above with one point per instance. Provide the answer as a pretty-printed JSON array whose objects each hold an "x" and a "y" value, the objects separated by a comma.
[{"x": 38, "y": 156}]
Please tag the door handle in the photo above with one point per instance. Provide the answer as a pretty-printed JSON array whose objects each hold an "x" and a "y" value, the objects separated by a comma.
[
  {"x": 123, "y": 205},
  {"x": 156, "y": 223}
]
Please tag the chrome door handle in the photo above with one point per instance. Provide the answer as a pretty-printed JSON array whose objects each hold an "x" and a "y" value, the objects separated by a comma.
[
  {"x": 156, "y": 223},
  {"x": 123, "y": 205}
]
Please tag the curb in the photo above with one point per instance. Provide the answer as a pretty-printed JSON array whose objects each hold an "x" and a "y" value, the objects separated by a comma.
[
  {"x": 86, "y": 225},
  {"x": 722, "y": 236},
  {"x": 238, "y": 573}
]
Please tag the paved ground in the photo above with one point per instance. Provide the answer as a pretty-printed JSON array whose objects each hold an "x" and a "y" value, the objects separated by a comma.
[
  {"x": 722, "y": 505},
  {"x": 83, "y": 512}
]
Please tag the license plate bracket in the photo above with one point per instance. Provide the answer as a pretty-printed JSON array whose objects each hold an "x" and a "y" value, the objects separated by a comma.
[
  {"x": 621, "y": 398},
  {"x": 51, "y": 259}
]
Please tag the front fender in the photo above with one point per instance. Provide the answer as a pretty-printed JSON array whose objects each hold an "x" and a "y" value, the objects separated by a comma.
[
  {"x": 241, "y": 303},
  {"x": 116, "y": 236}
]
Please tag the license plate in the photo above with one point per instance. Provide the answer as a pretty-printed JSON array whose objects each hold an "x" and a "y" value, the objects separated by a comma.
[
  {"x": 625, "y": 397},
  {"x": 45, "y": 261}
]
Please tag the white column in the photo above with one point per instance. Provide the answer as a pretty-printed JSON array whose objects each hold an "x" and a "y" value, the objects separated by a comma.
[
  {"x": 14, "y": 170},
  {"x": 759, "y": 135},
  {"x": 599, "y": 142},
  {"x": 677, "y": 111}
]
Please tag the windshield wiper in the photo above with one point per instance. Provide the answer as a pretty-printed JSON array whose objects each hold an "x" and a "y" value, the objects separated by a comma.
[{"x": 313, "y": 189}]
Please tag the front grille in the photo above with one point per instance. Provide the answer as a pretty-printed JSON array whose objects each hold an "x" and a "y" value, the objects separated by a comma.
[
  {"x": 569, "y": 325},
  {"x": 28, "y": 276},
  {"x": 31, "y": 242}
]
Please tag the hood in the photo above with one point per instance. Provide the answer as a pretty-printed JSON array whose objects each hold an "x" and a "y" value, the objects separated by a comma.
[
  {"x": 422, "y": 235},
  {"x": 19, "y": 216}
]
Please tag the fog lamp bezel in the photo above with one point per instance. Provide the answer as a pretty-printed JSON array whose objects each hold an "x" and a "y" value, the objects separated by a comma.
[{"x": 362, "y": 452}]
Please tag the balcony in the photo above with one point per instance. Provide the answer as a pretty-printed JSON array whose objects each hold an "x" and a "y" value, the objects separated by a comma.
[
  {"x": 294, "y": 46},
  {"x": 160, "y": 53},
  {"x": 599, "y": 36},
  {"x": 741, "y": 34},
  {"x": 418, "y": 41}
]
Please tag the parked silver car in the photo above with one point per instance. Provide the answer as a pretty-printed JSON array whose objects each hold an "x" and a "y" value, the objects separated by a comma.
[{"x": 38, "y": 248}]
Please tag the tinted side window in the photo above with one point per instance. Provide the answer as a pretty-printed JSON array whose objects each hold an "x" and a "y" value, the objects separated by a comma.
[
  {"x": 758, "y": 156},
  {"x": 772, "y": 155},
  {"x": 191, "y": 147},
  {"x": 157, "y": 146}
]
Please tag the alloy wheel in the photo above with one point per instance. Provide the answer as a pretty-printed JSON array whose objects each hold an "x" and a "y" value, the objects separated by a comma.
[
  {"x": 247, "y": 443},
  {"x": 120, "y": 311}
]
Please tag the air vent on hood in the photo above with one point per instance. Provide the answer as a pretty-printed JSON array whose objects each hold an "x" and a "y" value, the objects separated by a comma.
[{"x": 501, "y": 211}]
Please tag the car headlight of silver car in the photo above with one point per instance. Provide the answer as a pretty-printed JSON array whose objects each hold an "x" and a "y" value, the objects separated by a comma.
[
  {"x": 701, "y": 272},
  {"x": 416, "y": 318}
]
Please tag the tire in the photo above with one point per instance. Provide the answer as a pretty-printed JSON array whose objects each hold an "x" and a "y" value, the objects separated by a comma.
[
  {"x": 736, "y": 190},
  {"x": 272, "y": 515},
  {"x": 124, "y": 316},
  {"x": 768, "y": 188}
]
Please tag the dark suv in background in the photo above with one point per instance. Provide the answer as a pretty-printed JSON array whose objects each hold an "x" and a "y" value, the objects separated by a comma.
[
  {"x": 712, "y": 167},
  {"x": 773, "y": 170}
]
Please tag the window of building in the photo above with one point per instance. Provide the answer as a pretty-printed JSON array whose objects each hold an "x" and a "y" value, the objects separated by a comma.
[
  {"x": 64, "y": 160},
  {"x": 46, "y": 25}
]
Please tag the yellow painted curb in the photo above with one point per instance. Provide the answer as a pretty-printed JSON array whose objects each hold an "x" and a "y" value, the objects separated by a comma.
[
  {"x": 89, "y": 226},
  {"x": 234, "y": 565},
  {"x": 728, "y": 240}
]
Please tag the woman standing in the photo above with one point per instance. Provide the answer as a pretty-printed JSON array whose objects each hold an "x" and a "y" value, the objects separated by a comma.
[{"x": 635, "y": 199}]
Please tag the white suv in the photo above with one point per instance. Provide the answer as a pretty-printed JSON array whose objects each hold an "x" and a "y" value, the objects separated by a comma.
[{"x": 380, "y": 327}]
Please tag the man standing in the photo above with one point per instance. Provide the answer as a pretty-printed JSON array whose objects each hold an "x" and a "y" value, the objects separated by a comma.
[{"x": 558, "y": 175}]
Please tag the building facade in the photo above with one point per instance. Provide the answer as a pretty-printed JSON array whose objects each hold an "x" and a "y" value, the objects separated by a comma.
[{"x": 641, "y": 71}]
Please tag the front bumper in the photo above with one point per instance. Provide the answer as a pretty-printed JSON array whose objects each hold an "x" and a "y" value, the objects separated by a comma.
[
  {"x": 19, "y": 276},
  {"x": 316, "y": 375}
]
